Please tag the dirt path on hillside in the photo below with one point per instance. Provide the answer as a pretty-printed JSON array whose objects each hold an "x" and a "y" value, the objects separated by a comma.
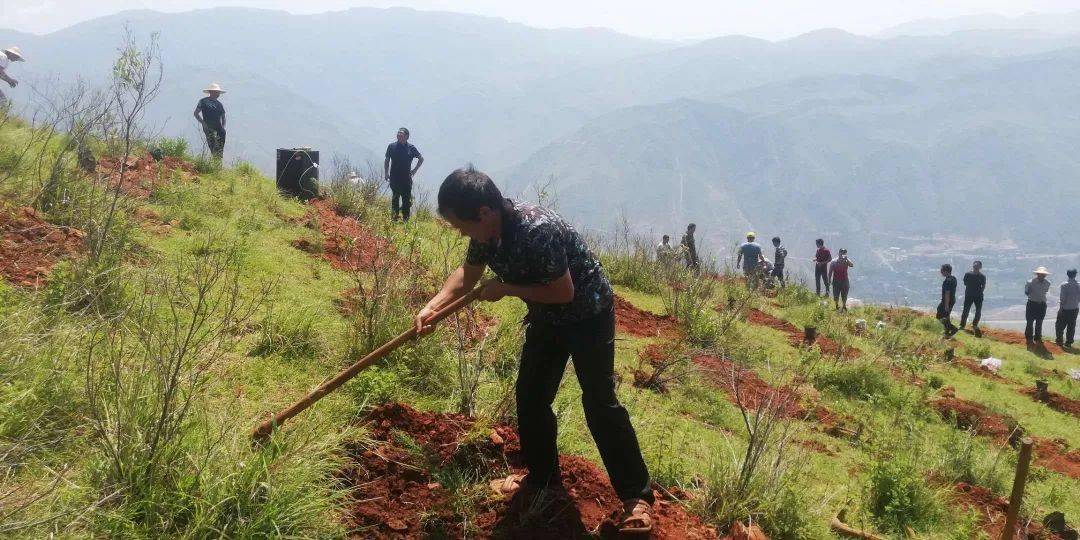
[
  {"x": 31, "y": 246},
  {"x": 1017, "y": 338},
  {"x": 638, "y": 322},
  {"x": 142, "y": 174},
  {"x": 969, "y": 415},
  {"x": 346, "y": 243},
  {"x": 796, "y": 337},
  {"x": 398, "y": 495}
]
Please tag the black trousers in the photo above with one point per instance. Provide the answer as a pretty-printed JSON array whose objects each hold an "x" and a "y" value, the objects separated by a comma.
[
  {"x": 977, "y": 301},
  {"x": 840, "y": 288},
  {"x": 821, "y": 275},
  {"x": 401, "y": 198},
  {"x": 543, "y": 359},
  {"x": 1034, "y": 312},
  {"x": 944, "y": 314},
  {"x": 1066, "y": 325},
  {"x": 215, "y": 140}
]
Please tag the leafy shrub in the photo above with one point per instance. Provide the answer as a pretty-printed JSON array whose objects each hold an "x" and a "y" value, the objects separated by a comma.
[
  {"x": 978, "y": 350},
  {"x": 204, "y": 164},
  {"x": 795, "y": 295},
  {"x": 899, "y": 495},
  {"x": 860, "y": 380},
  {"x": 176, "y": 147},
  {"x": 292, "y": 335},
  {"x": 246, "y": 170},
  {"x": 966, "y": 459}
]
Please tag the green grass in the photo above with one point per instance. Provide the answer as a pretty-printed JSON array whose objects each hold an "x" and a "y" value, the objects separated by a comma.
[{"x": 692, "y": 436}]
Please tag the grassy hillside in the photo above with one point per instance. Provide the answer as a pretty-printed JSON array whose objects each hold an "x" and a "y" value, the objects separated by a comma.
[{"x": 197, "y": 300}]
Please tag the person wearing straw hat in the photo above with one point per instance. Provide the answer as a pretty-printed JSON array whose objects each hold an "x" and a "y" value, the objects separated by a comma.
[
  {"x": 750, "y": 259},
  {"x": 399, "y": 172},
  {"x": 10, "y": 54},
  {"x": 211, "y": 116},
  {"x": 1035, "y": 311}
]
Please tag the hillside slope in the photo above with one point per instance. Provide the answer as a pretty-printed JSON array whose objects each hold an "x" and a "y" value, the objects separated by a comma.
[{"x": 891, "y": 424}]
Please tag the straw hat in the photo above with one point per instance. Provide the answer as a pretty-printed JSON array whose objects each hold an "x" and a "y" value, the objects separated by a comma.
[
  {"x": 214, "y": 87},
  {"x": 751, "y": 235},
  {"x": 14, "y": 51},
  {"x": 1042, "y": 270}
]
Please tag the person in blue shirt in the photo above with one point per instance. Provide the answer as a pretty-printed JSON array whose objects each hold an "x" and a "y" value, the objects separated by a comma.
[
  {"x": 399, "y": 172},
  {"x": 750, "y": 258}
]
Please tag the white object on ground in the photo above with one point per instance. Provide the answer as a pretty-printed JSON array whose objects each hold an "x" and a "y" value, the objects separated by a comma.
[
  {"x": 860, "y": 324},
  {"x": 992, "y": 364},
  {"x": 1075, "y": 374},
  {"x": 880, "y": 325}
]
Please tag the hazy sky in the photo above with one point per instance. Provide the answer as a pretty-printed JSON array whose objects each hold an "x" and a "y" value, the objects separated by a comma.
[{"x": 655, "y": 18}]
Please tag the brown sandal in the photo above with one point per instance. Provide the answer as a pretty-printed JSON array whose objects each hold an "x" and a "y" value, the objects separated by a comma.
[
  {"x": 507, "y": 487},
  {"x": 636, "y": 517}
]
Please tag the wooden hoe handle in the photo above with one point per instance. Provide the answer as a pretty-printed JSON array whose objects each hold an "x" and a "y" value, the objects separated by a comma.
[{"x": 266, "y": 428}]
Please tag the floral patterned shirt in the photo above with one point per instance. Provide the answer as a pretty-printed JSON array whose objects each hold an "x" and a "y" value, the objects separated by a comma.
[{"x": 536, "y": 247}]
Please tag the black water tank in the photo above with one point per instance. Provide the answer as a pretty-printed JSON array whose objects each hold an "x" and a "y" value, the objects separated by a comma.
[{"x": 298, "y": 172}]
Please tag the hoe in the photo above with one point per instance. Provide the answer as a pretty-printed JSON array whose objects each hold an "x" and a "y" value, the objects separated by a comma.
[{"x": 266, "y": 428}]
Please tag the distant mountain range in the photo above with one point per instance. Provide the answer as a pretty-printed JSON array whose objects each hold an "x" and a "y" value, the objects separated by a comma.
[{"x": 963, "y": 127}]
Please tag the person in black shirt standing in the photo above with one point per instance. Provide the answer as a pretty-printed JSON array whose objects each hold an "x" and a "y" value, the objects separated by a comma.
[
  {"x": 541, "y": 259},
  {"x": 211, "y": 116},
  {"x": 974, "y": 285},
  {"x": 948, "y": 299},
  {"x": 399, "y": 173}
]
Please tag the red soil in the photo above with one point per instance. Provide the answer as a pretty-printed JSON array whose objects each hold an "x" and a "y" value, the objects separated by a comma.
[
  {"x": 1058, "y": 402},
  {"x": 151, "y": 221},
  {"x": 991, "y": 511},
  {"x": 30, "y": 246},
  {"x": 346, "y": 243},
  {"x": 1017, "y": 338},
  {"x": 1056, "y": 456},
  {"x": 796, "y": 336},
  {"x": 638, "y": 322},
  {"x": 973, "y": 366},
  {"x": 143, "y": 174},
  {"x": 743, "y": 532},
  {"x": 971, "y": 415},
  {"x": 397, "y": 496},
  {"x": 753, "y": 392}
]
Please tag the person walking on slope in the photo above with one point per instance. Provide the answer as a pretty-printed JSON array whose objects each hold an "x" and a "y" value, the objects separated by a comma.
[
  {"x": 7, "y": 56},
  {"x": 1065, "y": 327},
  {"x": 1035, "y": 310},
  {"x": 838, "y": 276},
  {"x": 779, "y": 256},
  {"x": 665, "y": 252},
  {"x": 821, "y": 266},
  {"x": 974, "y": 286},
  {"x": 690, "y": 248},
  {"x": 948, "y": 300},
  {"x": 399, "y": 172},
  {"x": 750, "y": 258},
  {"x": 538, "y": 257},
  {"x": 211, "y": 116}
]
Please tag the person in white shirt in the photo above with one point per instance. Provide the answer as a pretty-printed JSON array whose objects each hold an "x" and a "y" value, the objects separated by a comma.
[
  {"x": 665, "y": 252},
  {"x": 9, "y": 55},
  {"x": 1035, "y": 311},
  {"x": 1065, "y": 327}
]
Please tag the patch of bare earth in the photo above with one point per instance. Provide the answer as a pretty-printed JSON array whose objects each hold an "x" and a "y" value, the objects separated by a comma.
[
  {"x": 396, "y": 494},
  {"x": 30, "y": 246}
]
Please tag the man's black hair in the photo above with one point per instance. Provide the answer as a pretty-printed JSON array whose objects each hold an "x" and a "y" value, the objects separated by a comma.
[
  {"x": 1071, "y": 272},
  {"x": 977, "y": 262},
  {"x": 947, "y": 268},
  {"x": 405, "y": 131},
  {"x": 465, "y": 191},
  {"x": 819, "y": 242},
  {"x": 666, "y": 237},
  {"x": 776, "y": 239},
  {"x": 692, "y": 225}
]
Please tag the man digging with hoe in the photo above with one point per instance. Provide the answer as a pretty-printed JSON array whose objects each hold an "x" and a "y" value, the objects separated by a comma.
[{"x": 541, "y": 259}]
